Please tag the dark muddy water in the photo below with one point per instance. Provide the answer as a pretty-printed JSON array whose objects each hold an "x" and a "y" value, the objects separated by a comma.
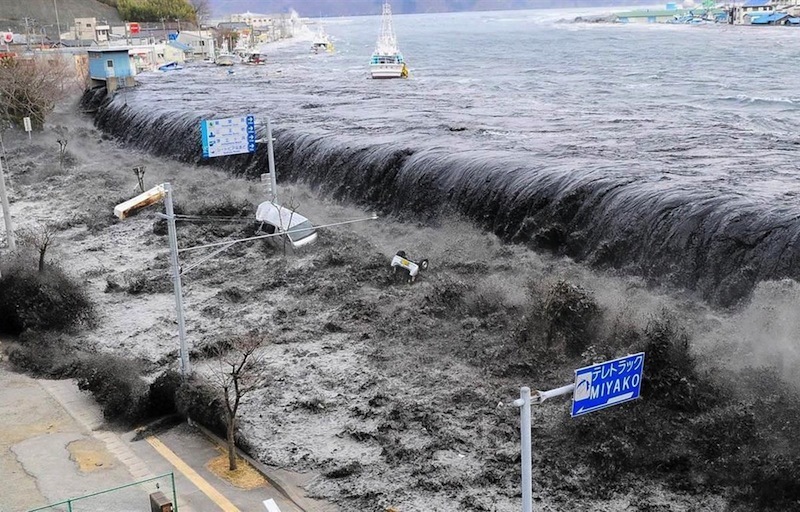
[{"x": 669, "y": 152}]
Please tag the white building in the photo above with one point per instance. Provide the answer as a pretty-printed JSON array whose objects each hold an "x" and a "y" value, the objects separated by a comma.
[
  {"x": 255, "y": 20},
  {"x": 201, "y": 42},
  {"x": 87, "y": 29}
]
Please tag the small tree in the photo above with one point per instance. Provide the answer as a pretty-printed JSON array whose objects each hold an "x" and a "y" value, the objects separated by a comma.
[
  {"x": 240, "y": 370},
  {"x": 40, "y": 238},
  {"x": 62, "y": 132}
]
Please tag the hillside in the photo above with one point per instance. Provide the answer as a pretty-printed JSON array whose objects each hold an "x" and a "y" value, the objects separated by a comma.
[
  {"x": 42, "y": 12},
  {"x": 365, "y": 7}
]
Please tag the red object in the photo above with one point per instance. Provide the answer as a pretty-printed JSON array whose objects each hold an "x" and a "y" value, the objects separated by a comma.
[
  {"x": 134, "y": 28},
  {"x": 8, "y": 37}
]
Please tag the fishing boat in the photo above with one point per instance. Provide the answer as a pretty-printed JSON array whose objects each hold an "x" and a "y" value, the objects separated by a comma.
[
  {"x": 387, "y": 61},
  {"x": 227, "y": 59},
  {"x": 322, "y": 42}
]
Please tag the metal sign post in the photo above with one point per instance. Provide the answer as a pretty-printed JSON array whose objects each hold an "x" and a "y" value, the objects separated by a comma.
[
  {"x": 524, "y": 403},
  {"x": 271, "y": 159},
  {"x": 596, "y": 387}
]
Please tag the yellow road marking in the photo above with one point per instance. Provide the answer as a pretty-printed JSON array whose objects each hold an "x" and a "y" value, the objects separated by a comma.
[{"x": 201, "y": 483}]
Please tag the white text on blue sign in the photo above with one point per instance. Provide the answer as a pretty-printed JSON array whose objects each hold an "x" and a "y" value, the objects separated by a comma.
[{"x": 606, "y": 384}]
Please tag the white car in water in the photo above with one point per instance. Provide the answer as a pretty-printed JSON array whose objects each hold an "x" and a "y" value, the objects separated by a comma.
[{"x": 275, "y": 218}]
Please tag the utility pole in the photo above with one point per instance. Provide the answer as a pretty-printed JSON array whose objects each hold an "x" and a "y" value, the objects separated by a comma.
[
  {"x": 6, "y": 209},
  {"x": 176, "y": 278},
  {"x": 27, "y": 34},
  {"x": 58, "y": 25}
]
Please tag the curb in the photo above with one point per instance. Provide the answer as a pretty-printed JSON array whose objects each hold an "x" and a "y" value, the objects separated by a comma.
[{"x": 285, "y": 489}]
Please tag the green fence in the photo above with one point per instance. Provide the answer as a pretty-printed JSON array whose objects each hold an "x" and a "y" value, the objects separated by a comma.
[{"x": 134, "y": 497}]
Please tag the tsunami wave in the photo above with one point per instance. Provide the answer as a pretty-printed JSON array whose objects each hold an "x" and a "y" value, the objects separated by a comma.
[{"x": 717, "y": 242}]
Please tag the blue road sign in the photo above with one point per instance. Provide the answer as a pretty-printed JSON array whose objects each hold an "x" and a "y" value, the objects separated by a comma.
[
  {"x": 228, "y": 136},
  {"x": 606, "y": 384}
]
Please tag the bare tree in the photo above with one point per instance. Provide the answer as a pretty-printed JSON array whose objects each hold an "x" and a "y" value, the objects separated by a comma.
[
  {"x": 31, "y": 88},
  {"x": 240, "y": 370},
  {"x": 40, "y": 238},
  {"x": 62, "y": 145},
  {"x": 202, "y": 11}
]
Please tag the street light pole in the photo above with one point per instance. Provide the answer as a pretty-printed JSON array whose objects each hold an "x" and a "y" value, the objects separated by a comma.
[{"x": 176, "y": 279}]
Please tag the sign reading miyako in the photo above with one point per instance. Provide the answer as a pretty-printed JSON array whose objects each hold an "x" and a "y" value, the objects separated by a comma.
[{"x": 605, "y": 384}]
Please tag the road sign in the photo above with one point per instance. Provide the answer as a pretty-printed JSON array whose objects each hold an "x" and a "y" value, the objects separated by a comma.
[
  {"x": 606, "y": 384},
  {"x": 26, "y": 121},
  {"x": 229, "y": 136},
  {"x": 8, "y": 37},
  {"x": 134, "y": 28}
]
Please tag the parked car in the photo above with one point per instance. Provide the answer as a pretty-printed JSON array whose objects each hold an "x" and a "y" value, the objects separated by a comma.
[{"x": 274, "y": 218}]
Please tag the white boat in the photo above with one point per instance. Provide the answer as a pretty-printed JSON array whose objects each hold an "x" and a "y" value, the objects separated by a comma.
[
  {"x": 387, "y": 61},
  {"x": 227, "y": 59},
  {"x": 322, "y": 42}
]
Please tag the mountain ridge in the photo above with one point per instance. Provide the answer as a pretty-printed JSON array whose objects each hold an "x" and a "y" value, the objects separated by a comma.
[
  {"x": 41, "y": 14},
  {"x": 323, "y": 8}
]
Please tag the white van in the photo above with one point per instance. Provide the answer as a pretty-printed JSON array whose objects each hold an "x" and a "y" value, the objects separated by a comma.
[{"x": 275, "y": 218}]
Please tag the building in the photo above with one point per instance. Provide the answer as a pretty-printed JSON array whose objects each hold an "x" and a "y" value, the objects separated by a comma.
[
  {"x": 649, "y": 16},
  {"x": 255, "y": 20},
  {"x": 201, "y": 42},
  {"x": 111, "y": 67},
  {"x": 177, "y": 52},
  {"x": 772, "y": 18},
  {"x": 89, "y": 29}
]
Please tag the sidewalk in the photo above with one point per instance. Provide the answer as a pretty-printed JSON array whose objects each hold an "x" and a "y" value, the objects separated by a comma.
[{"x": 54, "y": 445}]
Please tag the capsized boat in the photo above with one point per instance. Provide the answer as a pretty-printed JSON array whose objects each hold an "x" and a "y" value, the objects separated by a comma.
[
  {"x": 387, "y": 61},
  {"x": 170, "y": 66}
]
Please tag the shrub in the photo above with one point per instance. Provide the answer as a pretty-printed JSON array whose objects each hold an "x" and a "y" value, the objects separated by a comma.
[
  {"x": 723, "y": 432},
  {"x": 565, "y": 316},
  {"x": 47, "y": 300},
  {"x": 446, "y": 297},
  {"x": 116, "y": 384},
  {"x": 200, "y": 401},
  {"x": 162, "y": 393},
  {"x": 671, "y": 376},
  {"x": 44, "y": 354}
]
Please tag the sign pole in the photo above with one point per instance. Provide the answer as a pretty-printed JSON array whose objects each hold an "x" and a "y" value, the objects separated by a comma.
[
  {"x": 6, "y": 209},
  {"x": 176, "y": 279},
  {"x": 524, "y": 403},
  {"x": 271, "y": 159}
]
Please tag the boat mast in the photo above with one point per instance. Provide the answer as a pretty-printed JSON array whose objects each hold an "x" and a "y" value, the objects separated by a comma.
[{"x": 387, "y": 43}]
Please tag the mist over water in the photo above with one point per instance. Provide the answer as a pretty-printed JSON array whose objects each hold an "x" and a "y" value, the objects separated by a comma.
[{"x": 668, "y": 152}]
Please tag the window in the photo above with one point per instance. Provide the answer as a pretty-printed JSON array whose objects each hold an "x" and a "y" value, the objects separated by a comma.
[
  {"x": 109, "y": 63},
  {"x": 88, "y": 25}
]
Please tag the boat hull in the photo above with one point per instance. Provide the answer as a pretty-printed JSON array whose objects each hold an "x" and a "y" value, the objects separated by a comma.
[{"x": 386, "y": 70}]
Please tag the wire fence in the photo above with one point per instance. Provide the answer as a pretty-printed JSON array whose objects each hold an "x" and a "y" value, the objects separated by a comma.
[{"x": 133, "y": 497}]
